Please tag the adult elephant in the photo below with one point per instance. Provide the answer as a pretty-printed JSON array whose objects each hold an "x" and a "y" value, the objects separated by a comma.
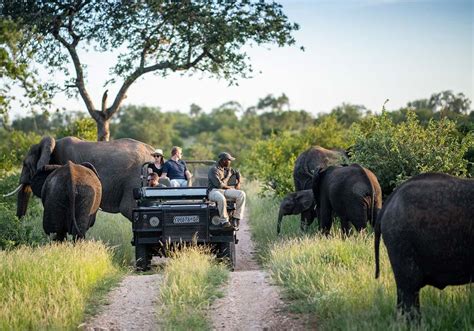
[
  {"x": 294, "y": 203},
  {"x": 351, "y": 192},
  {"x": 427, "y": 225},
  {"x": 71, "y": 196},
  {"x": 118, "y": 163},
  {"x": 313, "y": 159}
]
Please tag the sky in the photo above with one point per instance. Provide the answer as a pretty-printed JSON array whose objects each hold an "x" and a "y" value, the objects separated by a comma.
[{"x": 356, "y": 51}]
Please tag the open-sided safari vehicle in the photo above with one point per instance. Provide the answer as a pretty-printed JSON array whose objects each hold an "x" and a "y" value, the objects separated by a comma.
[{"x": 167, "y": 218}]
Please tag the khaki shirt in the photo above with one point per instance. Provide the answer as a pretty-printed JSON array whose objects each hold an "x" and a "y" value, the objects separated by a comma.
[{"x": 219, "y": 177}]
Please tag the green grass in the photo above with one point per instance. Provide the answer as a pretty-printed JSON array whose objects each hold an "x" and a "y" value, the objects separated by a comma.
[
  {"x": 191, "y": 282},
  {"x": 332, "y": 279},
  {"x": 48, "y": 287},
  {"x": 116, "y": 232}
]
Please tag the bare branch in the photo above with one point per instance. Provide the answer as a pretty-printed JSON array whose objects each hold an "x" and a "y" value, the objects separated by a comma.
[{"x": 104, "y": 101}]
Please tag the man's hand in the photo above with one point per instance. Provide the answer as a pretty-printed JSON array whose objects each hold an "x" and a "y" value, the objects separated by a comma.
[{"x": 237, "y": 186}]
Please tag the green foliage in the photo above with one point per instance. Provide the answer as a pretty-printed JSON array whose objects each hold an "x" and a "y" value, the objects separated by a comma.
[
  {"x": 13, "y": 148},
  {"x": 185, "y": 295},
  {"x": 15, "y": 69},
  {"x": 395, "y": 152},
  {"x": 84, "y": 128},
  {"x": 271, "y": 161},
  {"x": 47, "y": 288}
]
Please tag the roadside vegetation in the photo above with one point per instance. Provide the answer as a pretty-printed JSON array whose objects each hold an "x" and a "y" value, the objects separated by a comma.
[
  {"x": 49, "y": 287},
  {"x": 187, "y": 292}
]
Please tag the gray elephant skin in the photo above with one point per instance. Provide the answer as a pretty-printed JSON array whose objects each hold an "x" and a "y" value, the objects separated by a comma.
[
  {"x": 71, "y": 197},
  {"x": 294, "y": 203},
  {"x": 427, "y": 225},
  {"x": 118, "y": 164},
  {"x": 351, "y": 192},
  {"x": 313, "y": 159}
]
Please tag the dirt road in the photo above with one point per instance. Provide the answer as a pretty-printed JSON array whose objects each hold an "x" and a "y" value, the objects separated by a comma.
[{"x": 250, "y": 301}]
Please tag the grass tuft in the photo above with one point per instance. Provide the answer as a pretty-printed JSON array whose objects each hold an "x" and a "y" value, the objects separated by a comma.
[{"x": 192, "y": 279}]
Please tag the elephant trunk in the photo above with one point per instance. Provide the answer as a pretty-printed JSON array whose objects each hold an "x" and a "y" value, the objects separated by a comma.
[
  {"x": 22, "y": 201},
  {"x": 280, "y": 217}
]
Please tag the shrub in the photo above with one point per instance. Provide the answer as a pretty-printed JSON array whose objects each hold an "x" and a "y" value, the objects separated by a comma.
[
  {"x": 395, "y": 152},
  {"x": 84, "y": 128},
  {"x": 271, "y": 161},
  {"x": 13, "y": 148}
]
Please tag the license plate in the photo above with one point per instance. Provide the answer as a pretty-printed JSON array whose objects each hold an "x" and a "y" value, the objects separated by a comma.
[{"x": 186, "y": 219}]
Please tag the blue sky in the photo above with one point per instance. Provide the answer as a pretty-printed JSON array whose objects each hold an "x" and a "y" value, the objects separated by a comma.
[{"x": 356, "y": 51}]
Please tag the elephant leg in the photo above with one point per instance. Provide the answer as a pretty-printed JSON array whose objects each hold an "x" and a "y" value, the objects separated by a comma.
[
  {"x": 345, "y": 226},
  {"x": 303, "y": 223},
  {"x": 127, "y": 204},
  {"x": 325, "y": 218},
  {"x": 408, "y": 301}
]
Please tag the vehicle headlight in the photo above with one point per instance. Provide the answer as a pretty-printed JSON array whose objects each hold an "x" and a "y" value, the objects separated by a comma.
[
  {"x": 216, "y": 220},
  {"x": 154, "y": 221}
]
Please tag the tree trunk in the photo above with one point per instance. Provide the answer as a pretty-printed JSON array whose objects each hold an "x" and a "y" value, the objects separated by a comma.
[{"x": 103, "y": 129}]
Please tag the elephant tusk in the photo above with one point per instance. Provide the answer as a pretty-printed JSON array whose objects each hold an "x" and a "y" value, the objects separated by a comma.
[{"x": 13, "y": 192}]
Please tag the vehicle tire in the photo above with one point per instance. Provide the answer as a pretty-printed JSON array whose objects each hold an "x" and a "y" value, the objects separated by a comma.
[
  {"x": 142, "y": 257},
  {"x": 226, "y": 252}
]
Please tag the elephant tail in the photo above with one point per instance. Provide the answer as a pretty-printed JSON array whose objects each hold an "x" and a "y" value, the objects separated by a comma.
[{"x": 72, "y": 202}]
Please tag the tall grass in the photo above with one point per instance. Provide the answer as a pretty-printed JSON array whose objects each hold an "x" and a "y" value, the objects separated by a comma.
[
  {"x": 191, "y": 282},
  {"x": 116, "y": 232},
  {"x": 48, "y": 287},
  {"x": 332, "y": 278}
]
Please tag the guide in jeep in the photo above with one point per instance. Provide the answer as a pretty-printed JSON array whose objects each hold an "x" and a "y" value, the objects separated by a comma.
[{"x": 167, "y": 218}]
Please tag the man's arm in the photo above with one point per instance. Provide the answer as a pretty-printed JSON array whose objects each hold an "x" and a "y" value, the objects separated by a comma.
[{"x": 216, "y": 181}]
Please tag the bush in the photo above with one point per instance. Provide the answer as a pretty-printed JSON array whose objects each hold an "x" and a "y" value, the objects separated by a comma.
[
  {"x": 83, "y": 128},
  {"x": 395, "y": 152},
  {"x": 13, "y": 148},
  {"x": 271, "y": 161}
]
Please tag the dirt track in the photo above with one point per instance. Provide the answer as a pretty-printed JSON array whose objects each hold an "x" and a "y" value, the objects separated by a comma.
[{"x": 250, "y": 301}]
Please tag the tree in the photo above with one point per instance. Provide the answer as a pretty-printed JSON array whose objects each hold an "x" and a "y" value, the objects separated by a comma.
[
  {"x": 348, "y": 113},
  {"x": 14, "y": 69},
  {"x": 447, "y": 102},
  {"x": 148, "y": 36}
]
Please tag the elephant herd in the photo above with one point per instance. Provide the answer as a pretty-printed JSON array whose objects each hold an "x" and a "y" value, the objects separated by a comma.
[
  {"x": 74, "y": 177},
  {"x": 427, "y": 223}
]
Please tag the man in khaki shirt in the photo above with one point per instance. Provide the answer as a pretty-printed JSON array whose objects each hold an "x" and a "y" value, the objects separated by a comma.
[{"x": 220, "y": 190}]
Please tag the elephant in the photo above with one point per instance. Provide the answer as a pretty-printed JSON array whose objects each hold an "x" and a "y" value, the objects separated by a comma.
[
  {"x": 294, "y": 203},
  {"x": 311, "y": 160},
  {"x": 71, "y": 196},
  {"x": 427, "y": 225},
  {"x": 118, "y": 164},
  {"x": 352, "y": 192}
]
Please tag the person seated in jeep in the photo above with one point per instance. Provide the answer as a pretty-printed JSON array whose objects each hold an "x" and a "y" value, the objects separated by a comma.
[
  {"x": 219, "y": 190},
  {"x": 175, "y": 169}
]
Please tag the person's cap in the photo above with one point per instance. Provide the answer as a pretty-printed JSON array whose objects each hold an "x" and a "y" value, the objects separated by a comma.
[
  {"x": 226, "y": 156},
  {"x": 158, "y": 151}
]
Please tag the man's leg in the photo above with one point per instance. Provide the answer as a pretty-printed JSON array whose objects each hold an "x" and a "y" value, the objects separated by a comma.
[
  {"x": 219, "y": 198},
  {"x": 239, "y": 197},
  {"x": 174, "y": 183}
]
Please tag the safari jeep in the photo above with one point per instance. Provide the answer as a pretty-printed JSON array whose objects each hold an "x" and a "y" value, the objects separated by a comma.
[{"x": 167, "y": 218}]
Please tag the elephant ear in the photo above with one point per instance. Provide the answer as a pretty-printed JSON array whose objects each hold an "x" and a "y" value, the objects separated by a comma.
[
  {"x": 46, "y": 145},
  {"x": 90, "y": 166},
  {"x": 304, "y": 200}
]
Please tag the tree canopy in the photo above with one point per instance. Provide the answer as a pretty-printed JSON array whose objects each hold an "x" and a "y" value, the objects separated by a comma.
[{"x": 149, "y": 36}]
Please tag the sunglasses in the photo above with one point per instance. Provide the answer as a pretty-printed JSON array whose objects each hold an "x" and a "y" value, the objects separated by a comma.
[{"x": 157, "y": 155}]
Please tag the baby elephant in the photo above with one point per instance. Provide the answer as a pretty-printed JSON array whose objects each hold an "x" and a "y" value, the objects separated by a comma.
[
  {"x": 427, "y": 225},
  {"x": 294, "y": 203},
  {"x": 71, "y": 196}
]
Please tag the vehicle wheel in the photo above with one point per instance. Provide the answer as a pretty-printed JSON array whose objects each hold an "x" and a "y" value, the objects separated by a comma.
[
  {"x": 226, "y": 252},
  {"x": 142, "y": 257}
]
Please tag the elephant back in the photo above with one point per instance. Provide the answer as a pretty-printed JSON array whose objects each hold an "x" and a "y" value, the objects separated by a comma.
[{"x": 311, "y": 161}]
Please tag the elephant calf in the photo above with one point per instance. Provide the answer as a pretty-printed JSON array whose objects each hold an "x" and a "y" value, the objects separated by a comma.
[
  {"x": 71, "y": 196},
  {"x": 294, "y": 203},
  {"x": 427, "y": 225},
  {"x": 351, "y": 192}
]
